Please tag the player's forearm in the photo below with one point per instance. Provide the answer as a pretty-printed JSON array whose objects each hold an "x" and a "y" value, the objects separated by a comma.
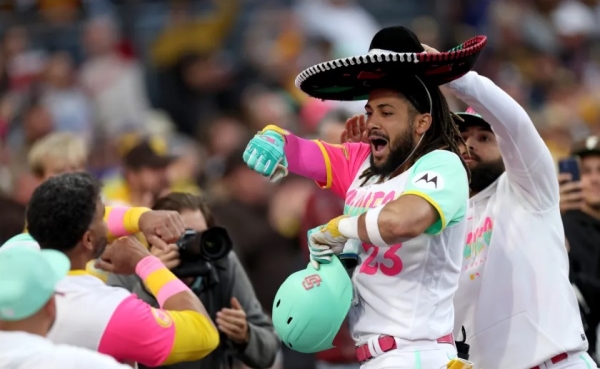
[
  {"x": 122, "y": 221},
  {"x": 390, "y": 224},
  {"x": 170, "y": 292},
  {"x": 305, "y": 157},
  {"x": 518, "y": 140}
]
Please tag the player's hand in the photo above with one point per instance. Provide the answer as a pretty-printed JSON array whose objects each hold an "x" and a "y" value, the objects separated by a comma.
[
  {"x": 265, "y": 155},
  {"x": 571, "y": 197},
  {"x": 325, "y": 241},
  {"x": 161, "y": 227},
  {"x": 429, "y": 49},
  {"x": 233, "y": 322},
  {"x": 355, "y": 130},
  {"x": 122, "y": 256},
  {"x": 169, "y": 257}
]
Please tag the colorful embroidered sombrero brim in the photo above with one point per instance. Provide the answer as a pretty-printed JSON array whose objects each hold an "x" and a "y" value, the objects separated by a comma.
[{"x": 394, "y": 53}]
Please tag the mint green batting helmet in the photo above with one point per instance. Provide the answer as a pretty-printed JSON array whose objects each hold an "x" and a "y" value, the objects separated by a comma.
[{"x": 311, "y": 305}]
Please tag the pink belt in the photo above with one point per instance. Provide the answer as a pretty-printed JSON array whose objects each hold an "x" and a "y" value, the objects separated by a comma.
[{"x": 388, "y": 343}]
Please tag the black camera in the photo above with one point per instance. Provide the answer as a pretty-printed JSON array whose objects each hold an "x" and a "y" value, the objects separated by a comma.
[{"x": 197, "y": 250}]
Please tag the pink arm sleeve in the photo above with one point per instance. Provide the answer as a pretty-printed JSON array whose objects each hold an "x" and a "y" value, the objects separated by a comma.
[
  {"x": 137, "y": 332},
  {"x": 331, "y": 166}
]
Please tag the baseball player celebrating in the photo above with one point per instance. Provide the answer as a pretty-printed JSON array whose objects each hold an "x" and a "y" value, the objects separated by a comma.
[
  {"x": 405, "y": 194},
  {"x": 514, "y": 299}
]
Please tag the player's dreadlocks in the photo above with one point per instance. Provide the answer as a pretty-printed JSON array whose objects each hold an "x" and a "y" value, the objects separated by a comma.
[{"x": 443, "y": 134}]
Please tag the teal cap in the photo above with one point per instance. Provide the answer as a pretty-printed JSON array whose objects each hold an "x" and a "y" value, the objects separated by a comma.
[
  {"x": 21, "y": 240},
  {"x": 28, "y": 279},
  {"x": 311, "y": 305}
]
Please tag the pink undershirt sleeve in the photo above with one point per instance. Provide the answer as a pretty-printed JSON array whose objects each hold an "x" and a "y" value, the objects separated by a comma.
[
  {"x": 331, "y": 166},
  {"x": 305, "y": 158},
  {"x": 137, "y": 332}
]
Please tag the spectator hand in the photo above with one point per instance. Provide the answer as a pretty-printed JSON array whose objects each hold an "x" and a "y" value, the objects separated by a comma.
[
  {"x": 264, "y": 154},
  {"x": 161, "y": 227},
  {"x": 169, "y": 257},
  {"x": 355, "y": 130},
  {"x": 571, "y": 197},
  {"x": 232, "y": 321},
  {"x": 122, "y": 256}
]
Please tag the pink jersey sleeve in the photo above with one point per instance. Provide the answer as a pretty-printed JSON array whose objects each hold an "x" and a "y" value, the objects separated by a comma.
[
  {"x": 331, "y": 166},
  {"x": 138, "y": 332}
]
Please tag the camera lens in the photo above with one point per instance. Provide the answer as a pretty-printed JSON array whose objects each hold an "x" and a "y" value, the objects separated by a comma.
[{"x": 215, "y": 243}]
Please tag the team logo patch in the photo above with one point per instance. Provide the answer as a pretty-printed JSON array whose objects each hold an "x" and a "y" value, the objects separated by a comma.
[
  {"x": 428, "y": 180},
  {"x": 162, "y": 318},
  {"x": 313, "y": 280}
]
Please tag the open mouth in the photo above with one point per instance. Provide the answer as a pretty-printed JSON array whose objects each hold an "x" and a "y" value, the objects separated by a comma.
[{"x": 378, "y": 144}]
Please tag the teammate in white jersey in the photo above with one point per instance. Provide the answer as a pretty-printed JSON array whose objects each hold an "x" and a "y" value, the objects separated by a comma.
[
  {"x": 514, "y": 299},
  {"x": 405, "y": 196}
]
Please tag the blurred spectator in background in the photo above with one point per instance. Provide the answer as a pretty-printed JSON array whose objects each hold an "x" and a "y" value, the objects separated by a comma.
[
  {"x": 12, "y": 218},
  {"x": 24, "y": 63},
  {"x": 70, "y": 109},
  {"x": 330, "y": 19},
  {"x": 580, "y": 204},
  {"x": 114, "y": 82},
  {"x": 144, "y": 177},
  {"x": 196, "y": 74},
  {"x": 57, "y": 153}
]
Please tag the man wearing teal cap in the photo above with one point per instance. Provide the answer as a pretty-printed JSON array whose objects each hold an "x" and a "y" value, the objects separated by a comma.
[{"x": 28, "y": 278}]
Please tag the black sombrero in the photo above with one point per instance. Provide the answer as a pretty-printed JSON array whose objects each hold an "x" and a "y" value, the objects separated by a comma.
[
  {"x": 470, "y": 118},
  {"x": 394, "y": 52}
]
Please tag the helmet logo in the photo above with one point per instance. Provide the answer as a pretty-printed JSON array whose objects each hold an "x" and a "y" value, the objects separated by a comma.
[{"x": 311, "y": 281}]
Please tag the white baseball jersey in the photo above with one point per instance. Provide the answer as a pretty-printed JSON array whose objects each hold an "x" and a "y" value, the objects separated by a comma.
[
  {"x": 405, "y": 290},
  {"x": 515, "y": 300}
]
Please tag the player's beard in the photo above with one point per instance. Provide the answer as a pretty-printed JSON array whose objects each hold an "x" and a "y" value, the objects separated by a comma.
[
  {"x": 100, "y": 246},
  {"x": 485, "y": 173},
  {"x": 400, "y": 148}
]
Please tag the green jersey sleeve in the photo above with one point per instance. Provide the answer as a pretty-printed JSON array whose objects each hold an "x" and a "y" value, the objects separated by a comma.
[{"x": 440, "y": 178}]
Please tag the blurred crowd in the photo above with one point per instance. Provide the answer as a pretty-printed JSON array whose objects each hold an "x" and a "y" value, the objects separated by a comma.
[{"x": 162, "y": 95}]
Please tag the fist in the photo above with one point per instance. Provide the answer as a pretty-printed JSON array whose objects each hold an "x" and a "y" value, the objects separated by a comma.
[
  {"x": 122, "y": 256},
  {"x": 169, "y": 257},
  {"x": 355, "y": 130},
  {"x": 161, "y": 227},
  {"x": 265, "y": 155}
]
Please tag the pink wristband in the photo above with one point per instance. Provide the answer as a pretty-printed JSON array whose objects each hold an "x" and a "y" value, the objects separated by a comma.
[
  {"x": 171, "y": 288},
  {"x": 116, "y": 221},
  {"x": 147, "y": 266}
]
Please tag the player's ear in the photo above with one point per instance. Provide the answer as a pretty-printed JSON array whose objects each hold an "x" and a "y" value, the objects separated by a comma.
[{"x": 423, "y": 123}]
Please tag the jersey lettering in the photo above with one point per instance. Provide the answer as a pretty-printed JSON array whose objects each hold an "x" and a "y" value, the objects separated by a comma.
[{"x": 391, "y": 265}]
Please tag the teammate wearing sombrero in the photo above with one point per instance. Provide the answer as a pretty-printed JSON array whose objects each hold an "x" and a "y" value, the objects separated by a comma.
[
  {"x": 514, "y": 299},
  {"x": 405, "y": 193}
]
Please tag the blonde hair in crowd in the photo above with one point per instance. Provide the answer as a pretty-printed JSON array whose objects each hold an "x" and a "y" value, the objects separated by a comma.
[{"x": 62, "y": 148}]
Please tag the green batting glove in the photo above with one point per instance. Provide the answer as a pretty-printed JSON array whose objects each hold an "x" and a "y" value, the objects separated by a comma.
[{"x": 265, "y": 154}]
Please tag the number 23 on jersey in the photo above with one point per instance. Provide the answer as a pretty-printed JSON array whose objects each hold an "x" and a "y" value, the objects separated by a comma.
[{"x": 384, "y": 259}]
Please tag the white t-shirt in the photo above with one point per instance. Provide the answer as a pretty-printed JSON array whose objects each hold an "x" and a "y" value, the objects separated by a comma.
[
  {"x": 22, "y": 350},
  {"x": 515, "y": 299},
  {"x": 405, "y": 290}
]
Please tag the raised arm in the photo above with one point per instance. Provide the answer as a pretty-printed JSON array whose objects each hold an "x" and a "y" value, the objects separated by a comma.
[
  {"x": 274, "y": 151},
  {"x": 180, "y": 330},
  {"x": 159, "y": 227},
  {"x": 528, "y": 161}
]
